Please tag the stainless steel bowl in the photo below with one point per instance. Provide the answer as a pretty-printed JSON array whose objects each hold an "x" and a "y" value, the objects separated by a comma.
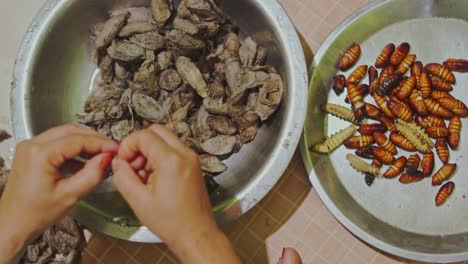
[
  {"x": 396, "y": 218},
  {"x": 54, "y": 70}
]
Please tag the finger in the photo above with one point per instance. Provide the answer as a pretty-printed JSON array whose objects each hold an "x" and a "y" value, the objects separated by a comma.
[
  {"x": 66, "y": 148},
  {"x": 128, "y": 183},
  {"x": 144, "y": 142},
  {"x": 290, "y": 256},
  {"x": 61, "y": 131},
  {"x": 85, "y": 180},
  {"x": 168, "y": 136},
  {"x": 139, "y": 163}
]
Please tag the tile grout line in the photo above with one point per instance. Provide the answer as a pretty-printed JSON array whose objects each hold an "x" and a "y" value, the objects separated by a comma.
[{"x": 107, "y": 251}]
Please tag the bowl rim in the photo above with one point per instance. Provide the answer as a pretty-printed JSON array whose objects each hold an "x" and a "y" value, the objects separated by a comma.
[
  {"x": 305, "y": 154},
  {"x": 230, "y": 209}
]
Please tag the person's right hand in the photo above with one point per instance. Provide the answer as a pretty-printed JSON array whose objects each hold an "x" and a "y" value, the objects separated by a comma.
[{"x": 161, "y": 179}]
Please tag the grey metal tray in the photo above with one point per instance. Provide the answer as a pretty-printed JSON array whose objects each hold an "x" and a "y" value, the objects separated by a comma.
[{"x": 396, "y": 218}]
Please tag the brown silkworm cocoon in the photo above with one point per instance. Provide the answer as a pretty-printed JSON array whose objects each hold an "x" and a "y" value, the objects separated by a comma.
[
  {"x": 429, "y": 121},
  {"x": 356, "y": 142},
  {"x": 441, "y": 72},
  {"x": 357, "y": 75},
  {"x": 440, "y": 84},
  {"x": 442, "y": 150},
  {"x": 438, "y": 110},
  {"x": 384, "y": 142},
  {"x": 458, "y": 65},
  {"x": 350, "y": 57},
  {"x": 401, "y": 142},
  {"x": 454, "y": 128},
  {"x": 400, "y": 53},
  {"x": 396, "y": 168},
  {"x": 406, "y": 64},
  {"x": 417, "y": 103},
  {"x": 425, "y": 85},
  {"x": 384, "y": 57},
  {"x": 406, "y": 88}
]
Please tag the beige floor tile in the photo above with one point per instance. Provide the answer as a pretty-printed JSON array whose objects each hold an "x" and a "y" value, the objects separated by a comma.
[
  {"x": 364, "y": 251},
  {"x": 353, "y": 5},
  {"x": 298, "y": 222},
  {"x": 284, "y": 237},
  {"x": 321, "y": 32},
  {"x": 318, "y": 260},
  {"x": 337, "y": 15},
  {"x": 352, "y": 258},
  {"x": 273, "y": 252},
  {"x": 321, "y": 7},
  {"x": 326, "y": 220},
  {"x": 333, "y": 251},
  {"x": 312, "y": 203},
  {"x": 314, "y": 237},
  {"x": 345, "y": 237},
  {"x": 292, "y": 7},
  {"x": 382, "y": 259}
]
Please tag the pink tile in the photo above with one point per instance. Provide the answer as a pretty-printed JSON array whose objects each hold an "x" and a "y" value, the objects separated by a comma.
[
  {"x": 314, "y": 237},
  {"x": 318, "y": 260},
  {"x": 321, "y": 7},
  {"x": 312, "y": 204},
  {"x": 326, "y": 220},
  {"x": 352, "y": 258},
  {"x": 364, "y": 251},
  {"x": 382, "y": 259},
  {"x": 284, "y": 237},
  {"x": 337, "y": 15},
  {"x": 345, "y": 237},
  {"x": 333, "y": 251},
  {"x": 303, "y": 249},
  {"x": 298, "y": 222},
  {"x": 273, "y": 252},
  {"x": 291, "y": 7},
  {"x": 321, "y": 32},
  {"x": 353, "y": 5}
]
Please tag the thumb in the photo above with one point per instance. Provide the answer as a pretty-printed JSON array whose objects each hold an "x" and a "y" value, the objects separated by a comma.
[
  {"x": 88, "y": 178},
  {"x": 128, "y": 183}
]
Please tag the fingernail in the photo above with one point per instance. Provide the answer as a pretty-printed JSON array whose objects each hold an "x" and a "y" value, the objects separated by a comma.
[{"x": 106, "y": 161}]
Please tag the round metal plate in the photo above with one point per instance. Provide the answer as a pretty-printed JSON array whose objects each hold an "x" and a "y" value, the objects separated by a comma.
[
  {"x": 54, "y": 69},
  {"x": 399, "y": 219}
]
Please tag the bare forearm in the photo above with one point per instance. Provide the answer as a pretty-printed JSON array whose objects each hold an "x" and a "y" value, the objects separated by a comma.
[
  {"x": 208, "y": 247},
  {"x": 12, "y": 239}
]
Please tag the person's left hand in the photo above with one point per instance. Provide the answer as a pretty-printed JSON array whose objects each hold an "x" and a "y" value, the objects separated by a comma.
[{"x": 37, "y": 194}]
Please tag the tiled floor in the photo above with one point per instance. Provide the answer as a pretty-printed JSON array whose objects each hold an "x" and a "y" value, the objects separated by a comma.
[{"x": 292, "y": 215}]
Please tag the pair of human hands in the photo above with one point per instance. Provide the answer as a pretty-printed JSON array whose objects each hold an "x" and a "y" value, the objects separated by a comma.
[{"x": 153, "y": 170}]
